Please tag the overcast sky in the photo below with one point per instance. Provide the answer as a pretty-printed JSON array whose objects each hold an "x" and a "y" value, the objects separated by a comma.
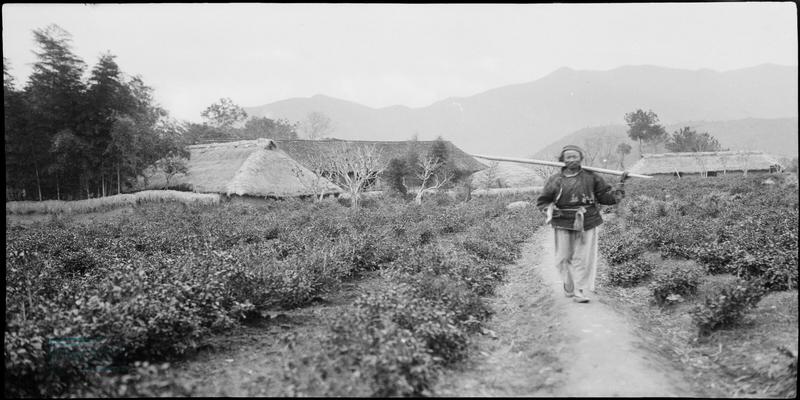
[{"x": 386, "y": 54}]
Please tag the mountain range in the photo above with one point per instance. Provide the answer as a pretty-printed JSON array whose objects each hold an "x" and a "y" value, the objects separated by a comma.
[{"x": 524, "y": 119}]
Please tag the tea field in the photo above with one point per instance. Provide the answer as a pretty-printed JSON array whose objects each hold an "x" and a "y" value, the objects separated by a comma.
[
  {"x": 99, "y": 308},
  {"x": 709, "y": 266},
  {"x": 108, "y": 305}
]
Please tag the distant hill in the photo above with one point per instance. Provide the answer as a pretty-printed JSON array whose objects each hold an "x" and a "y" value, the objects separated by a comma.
[
  {"x": 520, "y": 120},
  {"x": 776, "y": 136}
]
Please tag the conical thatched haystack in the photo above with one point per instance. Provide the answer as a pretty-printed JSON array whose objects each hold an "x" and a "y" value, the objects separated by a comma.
[{"x": 246, "y": 167}]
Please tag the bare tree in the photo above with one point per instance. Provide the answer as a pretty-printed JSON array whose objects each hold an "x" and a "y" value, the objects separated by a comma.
[
  {"x": 317, "y": 125},
  {"x": 315, "y": 182},
  {"x": 623, "y": 149},
  {"x": 744, "y": 157},
  {"x": 354, "y": 168},
  {"x": 172, "y": 165},
  {"x": 432, "y": 176},
  {"x": 723, "y": 160},
  {"x": 591, "y": 149},
  {"x": 490, "y": 175},
  {"x": 545, "y": 172},
  {"x": 701, "y": 162},
  {"x": 607, "y": 150}
]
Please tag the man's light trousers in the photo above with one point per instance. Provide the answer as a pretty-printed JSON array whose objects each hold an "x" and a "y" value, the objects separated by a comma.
[{"x": 576, "y": 257}]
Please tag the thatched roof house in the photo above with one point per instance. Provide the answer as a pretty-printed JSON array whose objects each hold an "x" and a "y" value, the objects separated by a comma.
[
  {"x": 706, "y": 163},
  {"x": 246, "y": 168},
  {"x": 307, "y": 151}
]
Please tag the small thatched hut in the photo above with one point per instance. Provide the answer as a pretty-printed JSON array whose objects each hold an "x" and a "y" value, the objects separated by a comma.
[
  {"x": 706, "y": 163},
  {"x": 256, "y": 168}
]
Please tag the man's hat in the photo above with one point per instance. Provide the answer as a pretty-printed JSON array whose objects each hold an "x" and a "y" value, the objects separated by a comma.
[{"x": 573, "y": 148}]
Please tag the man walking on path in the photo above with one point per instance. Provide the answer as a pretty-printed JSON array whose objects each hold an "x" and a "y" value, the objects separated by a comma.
[{"x": 570, "y": 198}]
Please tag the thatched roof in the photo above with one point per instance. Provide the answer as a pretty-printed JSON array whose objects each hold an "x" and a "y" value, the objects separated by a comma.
[
  {"x": 245, "y": 167},
  {"x": 306, "y": 151},
  {"x": 690, "y": 163}
]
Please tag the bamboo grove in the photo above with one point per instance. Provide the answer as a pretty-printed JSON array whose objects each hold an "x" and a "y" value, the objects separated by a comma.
[{"x": 73, "y": 133}]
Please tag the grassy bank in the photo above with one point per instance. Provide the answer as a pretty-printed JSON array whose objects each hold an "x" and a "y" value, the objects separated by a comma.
[{"x": 109, "y": 202}]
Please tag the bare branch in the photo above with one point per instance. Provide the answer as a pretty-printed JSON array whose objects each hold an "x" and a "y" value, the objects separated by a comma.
[
  {"x": 354, "y": 168},
  {"x": 315, "y": 182},
  {"x": 431, "y": 176}
]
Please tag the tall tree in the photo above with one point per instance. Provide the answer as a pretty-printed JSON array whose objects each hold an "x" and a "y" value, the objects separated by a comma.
[
  {"x": 688, "y": 140},
  {"x": 124, "y": 150},
  {"x": 108, "y": 99},
  {"x": 141, "y": 134},
  {"x": 394, "y": 176},
  {"x": 224, "y": 114},
  {"x": 54, "y": 94},
  {"x": 263, "y": 127},
  {"x": 18, "y": 171},
  {"x": 71, "y": 156},
  {"x": 644, "y": 127},
  {"x": 69, "y": 137}
]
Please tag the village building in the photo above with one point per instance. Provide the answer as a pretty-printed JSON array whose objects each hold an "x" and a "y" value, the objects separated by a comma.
[
  {"x": 266, "y": 168},
  {"x": 706, "y": 163},
  {"x": 248, "y": 168}
]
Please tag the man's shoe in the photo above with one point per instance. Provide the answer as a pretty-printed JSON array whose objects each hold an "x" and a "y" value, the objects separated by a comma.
[
  {"x": 568, "y": 293},
  {"x": 580, "y": 298}
]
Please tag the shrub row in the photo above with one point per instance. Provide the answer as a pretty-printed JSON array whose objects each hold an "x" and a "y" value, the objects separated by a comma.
[
  {"x": 394, "y": 342},
  {"x": 152, "y": 285},
  {"x": 730, "y": 224}
]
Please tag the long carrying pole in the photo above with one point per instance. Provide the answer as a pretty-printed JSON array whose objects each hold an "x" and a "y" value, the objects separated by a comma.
[{"x": 559, "y": 164}]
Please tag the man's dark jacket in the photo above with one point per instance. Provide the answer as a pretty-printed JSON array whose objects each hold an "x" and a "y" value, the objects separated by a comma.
[{"x": 586, "y": 189}]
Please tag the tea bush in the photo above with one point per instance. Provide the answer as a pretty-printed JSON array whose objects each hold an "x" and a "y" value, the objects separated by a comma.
[
  {"x": 630, "y": 273},
  {"x": 676, "y": 279},
  {"x": 381, "y": 348},
  {"x": 731, "y": 224},
  {"x": 142, "y": 380},
  {"x": 395, "y": 341},
  {"x": 727, "y": 305},
  {"x": 619, "y": 246}
]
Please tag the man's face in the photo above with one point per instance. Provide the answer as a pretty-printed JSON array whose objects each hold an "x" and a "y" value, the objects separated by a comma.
[{"x": 572, "y": 157}]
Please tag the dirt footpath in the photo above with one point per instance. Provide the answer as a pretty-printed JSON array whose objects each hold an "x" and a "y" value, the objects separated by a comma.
[{"x": 547, "y": 345}]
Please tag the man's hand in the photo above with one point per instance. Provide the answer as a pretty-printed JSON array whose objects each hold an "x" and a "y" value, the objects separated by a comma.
[{"x": 624, "y": 177}]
